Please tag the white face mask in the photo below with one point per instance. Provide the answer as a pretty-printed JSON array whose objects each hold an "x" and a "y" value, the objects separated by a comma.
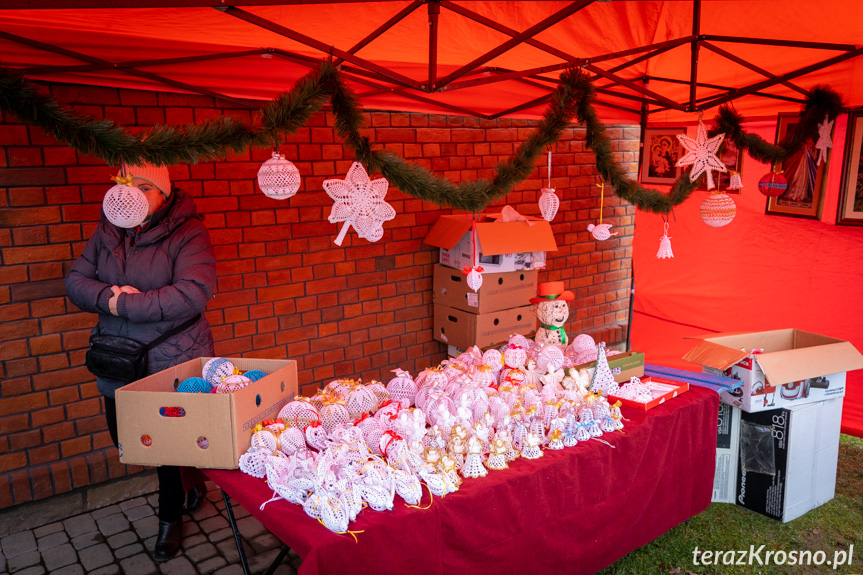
[{"x": 125, "y": 206}]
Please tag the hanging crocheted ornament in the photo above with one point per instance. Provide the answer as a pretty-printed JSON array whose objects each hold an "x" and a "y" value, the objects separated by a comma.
[
  {"x": 124, "y": 205},
  {"x": 601, "y": 231},
  {"x": 195, "y": 385},
  {"x": 773, "y": 184},
  {"x": 665, "y": 245},
  {"x": 718, "y": 210},
  {"x": 381, "y": 393},
  {"x": 402, "y": 388},
  {"x": 232, "y": 383},
  {"x": 548, "y": 200},
  {"x": 299, "y": 413},
  {"x": 735, "y": 182},
  {"x": 278, "y": 178},
  {"x": 701, "y": 154},
  {"x": 359, "y": 202},
  {"x": 474, "y": 276},
  {"x": 825, "y": 140},
  {"x": 361, "y": 400},
  {"x": 334, "y": 413}
]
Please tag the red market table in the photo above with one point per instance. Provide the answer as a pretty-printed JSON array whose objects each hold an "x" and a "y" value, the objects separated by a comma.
[{"x": 576, "y": 510}]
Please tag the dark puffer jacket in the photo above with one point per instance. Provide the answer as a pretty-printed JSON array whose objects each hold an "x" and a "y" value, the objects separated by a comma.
[{"x": 173, "y": 266}]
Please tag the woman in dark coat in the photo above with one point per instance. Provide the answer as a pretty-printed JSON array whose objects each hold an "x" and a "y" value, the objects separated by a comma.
[{"x": 143, "y": 282}]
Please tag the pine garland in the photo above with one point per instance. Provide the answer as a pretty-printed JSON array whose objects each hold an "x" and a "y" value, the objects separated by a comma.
[{"x": 291, "y": 110}]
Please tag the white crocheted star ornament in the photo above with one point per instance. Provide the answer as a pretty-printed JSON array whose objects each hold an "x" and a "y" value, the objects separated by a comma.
[
  {"x": 359, "y": 202},
  {"x": 701, "y": 155}
]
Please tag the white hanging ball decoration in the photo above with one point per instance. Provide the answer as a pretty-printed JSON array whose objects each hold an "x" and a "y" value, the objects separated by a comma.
[
  {"x": 548, "y": 204},
  {"x": 474, "y": 279},
  {"x": 718, "y": 210},
  {"x": 125, "y": 206},
  {"x": 279, "y": 178}
]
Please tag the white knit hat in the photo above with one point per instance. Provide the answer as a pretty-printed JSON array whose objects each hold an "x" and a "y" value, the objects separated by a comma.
[{"x": 156, "y": 175}]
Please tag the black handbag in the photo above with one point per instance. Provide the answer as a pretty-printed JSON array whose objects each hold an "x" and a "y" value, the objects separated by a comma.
[{"x": 123, "y": 359}]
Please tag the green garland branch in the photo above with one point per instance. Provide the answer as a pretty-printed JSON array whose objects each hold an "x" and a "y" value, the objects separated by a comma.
[{"x": 211, "y": 140}]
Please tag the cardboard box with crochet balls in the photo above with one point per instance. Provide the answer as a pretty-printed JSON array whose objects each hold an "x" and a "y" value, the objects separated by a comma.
[{"x": 213, "y": 430}]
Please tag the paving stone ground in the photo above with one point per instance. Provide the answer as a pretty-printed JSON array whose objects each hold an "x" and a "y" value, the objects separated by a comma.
[{"x": 119, "y": 539}]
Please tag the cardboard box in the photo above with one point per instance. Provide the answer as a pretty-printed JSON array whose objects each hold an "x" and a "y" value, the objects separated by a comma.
[
  {"x": 623, "y": 366},
  {"x": 662, "y": 389},
  {"x": 499, "y": 291},
  {"x": 500, "y": 246},
  {"x": 214, "y": 430},
  {"x": 727, "y": 452},
  {"x": 788, "y": 459},
  {"x": 463, "y": 329},
  {"x": 795, "y": 367}
]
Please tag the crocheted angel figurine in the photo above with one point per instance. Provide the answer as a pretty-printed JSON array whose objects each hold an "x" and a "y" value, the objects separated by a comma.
[
  {"x": 497, "y": 454},
  {"x": 473, "y": 466},
  {"x": 555, "y": 439},
  {"x": 616, "y": 415},
  {"x": 505, "y": 434},
  {"x": 457, "y": 448},
  {"x": 482, "y": 432},
  {"x": 448, "y": 468},
  {"x": 531, "y": 448}
]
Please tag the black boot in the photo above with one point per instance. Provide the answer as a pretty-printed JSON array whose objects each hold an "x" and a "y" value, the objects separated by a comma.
[
  {"x": 168, "y": 540},
  {"x": 195, "y": 498}
]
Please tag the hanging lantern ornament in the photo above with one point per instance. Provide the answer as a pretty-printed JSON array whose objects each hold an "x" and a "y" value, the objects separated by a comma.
[
  {"x": 773, "y": 184},
  {"x": 548, "y": 201},
  {"x": 736, "y": 181},
  {"x": 665, "y": 245},
  {"x": 825, "y": 140},
  {"x": 474, "y": 276},
  {"x": 473, "y": 272},
  {"x": 718, "y": 210},
  {"x": 124, "y": 205},
  {"x": 601, "y": 231},
  {"x": 701, "y": 154}
]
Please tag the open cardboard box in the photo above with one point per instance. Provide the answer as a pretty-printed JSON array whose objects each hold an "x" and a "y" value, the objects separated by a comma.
[
  {"x": 499, "y": 291},
  {"x": 500, "y": 246},
  {"x": 215, "y": 428},
  {"x": 794, "y": 368},
  {"x": 663, "y": 390}
]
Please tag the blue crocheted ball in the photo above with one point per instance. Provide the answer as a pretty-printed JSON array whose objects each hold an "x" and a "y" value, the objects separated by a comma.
[
  {"x": 194, "y": 385},
  {"x": 255, "y": 374}
]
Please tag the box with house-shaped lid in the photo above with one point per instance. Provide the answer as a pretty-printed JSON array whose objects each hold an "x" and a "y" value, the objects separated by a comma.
[
  {"x": 779, "y": 368},
  {"x": 496, "y": 245}
]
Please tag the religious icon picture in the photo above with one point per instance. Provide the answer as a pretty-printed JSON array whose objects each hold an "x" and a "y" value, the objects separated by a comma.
[
  {"x": 660, "y": 154},
  {"x": 806, "y": 178},
  {"x": 850, "y": 211}
]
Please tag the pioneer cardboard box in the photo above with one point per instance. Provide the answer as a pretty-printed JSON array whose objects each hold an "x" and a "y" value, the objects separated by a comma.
[
  {"x": 498, "y": 246},
  {"x": 779, "y": 368},
  {"x": 624, "y": 366},
  {"x": 159, "y": 426},
  {"x": 499, "y": 291}
]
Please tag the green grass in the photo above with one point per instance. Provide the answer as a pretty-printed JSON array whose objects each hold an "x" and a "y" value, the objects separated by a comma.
[{"x": 831, "y": 527}]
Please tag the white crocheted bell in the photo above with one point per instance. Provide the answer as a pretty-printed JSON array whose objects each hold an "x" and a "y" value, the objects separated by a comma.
[
  {"x": 279, "y": 178},
  {"x": 125, "y": 206}
]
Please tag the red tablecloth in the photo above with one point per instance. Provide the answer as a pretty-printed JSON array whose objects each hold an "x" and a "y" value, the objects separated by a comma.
[{"x": 575, "y": 511}]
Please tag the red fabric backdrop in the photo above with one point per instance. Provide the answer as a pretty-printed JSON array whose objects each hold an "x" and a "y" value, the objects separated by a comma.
[{"x": 757, "y": 273}]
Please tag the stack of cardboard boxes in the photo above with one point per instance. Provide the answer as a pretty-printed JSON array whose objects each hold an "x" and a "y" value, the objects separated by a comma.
[
  {"x": 778, "y": 441},
  {"x": 510, "y": 253}
]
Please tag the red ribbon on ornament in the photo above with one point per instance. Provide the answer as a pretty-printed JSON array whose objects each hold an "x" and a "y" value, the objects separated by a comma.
[
  {"x": 361, "y": 419},
  {"x": 393, "y": 437},
  {"x": 312, "y": 424},
  {"x": 468, "y": 269}
]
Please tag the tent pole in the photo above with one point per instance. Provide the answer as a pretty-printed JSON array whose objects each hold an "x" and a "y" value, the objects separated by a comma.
[
  {"x": 693, "y": 68},
  {"x": 382, "y": 28},
  {"x": 434, "y": 13}
]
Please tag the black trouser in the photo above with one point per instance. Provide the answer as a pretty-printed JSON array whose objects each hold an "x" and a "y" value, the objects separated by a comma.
[{"x": 172, "y": 496}]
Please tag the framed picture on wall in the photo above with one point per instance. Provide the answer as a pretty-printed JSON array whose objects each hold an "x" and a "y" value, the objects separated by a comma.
[
  {"x": 850, "y": 211},
  {"x": 732, "y": 158},
  {"x": 661, "y": 152},
  {"x": 806, "y": 180}
]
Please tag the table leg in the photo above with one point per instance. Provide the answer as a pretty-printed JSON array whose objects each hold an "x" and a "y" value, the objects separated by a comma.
[
  {"x": 237, "y": 540},
  {"x": 243, "y": 562}
]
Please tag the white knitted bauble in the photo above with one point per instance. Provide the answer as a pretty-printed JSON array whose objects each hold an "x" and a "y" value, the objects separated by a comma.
[
  {"x": 125, "y": 206},
  {"x": 278, "y": 178}
]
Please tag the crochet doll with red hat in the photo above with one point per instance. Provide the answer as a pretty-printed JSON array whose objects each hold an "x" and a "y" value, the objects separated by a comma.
[{"x": 552, "y": 309}]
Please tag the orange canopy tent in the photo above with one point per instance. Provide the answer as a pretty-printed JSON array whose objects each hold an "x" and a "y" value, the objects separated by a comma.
[{"x": 655, "y": 63}]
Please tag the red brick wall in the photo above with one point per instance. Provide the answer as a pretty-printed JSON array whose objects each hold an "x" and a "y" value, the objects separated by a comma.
[{"x": 284, "y": 288}]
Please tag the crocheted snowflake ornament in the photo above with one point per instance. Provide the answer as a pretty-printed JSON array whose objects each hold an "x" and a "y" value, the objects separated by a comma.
[
  {"x": 359, "y": 202},
  {"x": 701, "y": 155}
]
